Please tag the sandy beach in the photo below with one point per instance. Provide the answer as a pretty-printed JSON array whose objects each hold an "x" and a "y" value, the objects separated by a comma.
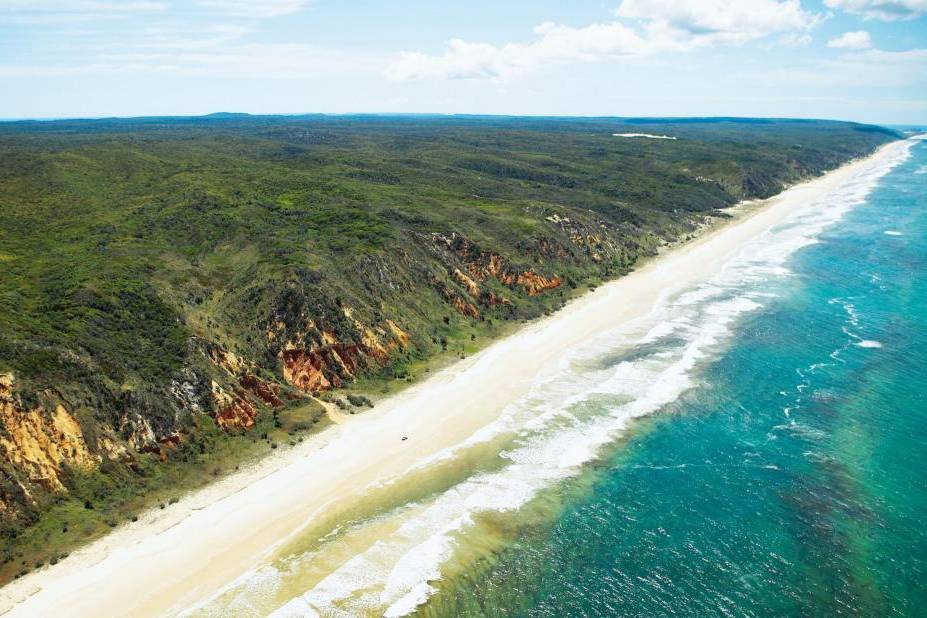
[{"x": 174, "y": 558}]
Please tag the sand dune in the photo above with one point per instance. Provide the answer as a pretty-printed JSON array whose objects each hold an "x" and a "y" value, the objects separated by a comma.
[{"x": 648, "y": 135}]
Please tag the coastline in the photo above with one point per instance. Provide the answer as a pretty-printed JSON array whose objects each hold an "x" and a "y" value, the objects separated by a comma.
[{"x": 173, "y": 558}]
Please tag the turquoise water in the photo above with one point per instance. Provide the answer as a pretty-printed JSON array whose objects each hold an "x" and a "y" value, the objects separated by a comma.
[
  {"x": 791, "y": 480},
  {"x": 754, "y": 446}
]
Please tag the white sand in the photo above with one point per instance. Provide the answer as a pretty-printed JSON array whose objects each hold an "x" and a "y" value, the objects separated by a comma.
[
  {"x": 173, "y": 558},
  {"x": 648, "y": 135}
]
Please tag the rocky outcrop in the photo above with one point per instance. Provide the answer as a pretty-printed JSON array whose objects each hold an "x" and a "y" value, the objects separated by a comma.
[
  {"x": 464, "y": 307},
  {"x": 306, "y": 370},
  {"x": 327, "y": 366},
  {"x": 137, "y": 431},
  {"x": 461, "y": 305},
  {"x": 319, "y": 354},
  {"x": 229, "y": 361},
  {"x": 535, "y": 284},
  {"x": 40, "y": 442},
  {"x": 150, "y": 414},
  {"x": 470, "y": 284},
  {"x": 232, "y": 410},
  {"x": 490, "y": 299},
  {"x": 595, "y": 239},
  {"x": 400, "y": 337},
  {"x": 234, "y": 406},
  {"x": 267, "y": 392},
  {"x": 482, "y": 265},
  {"x": 315, "y": 364}
]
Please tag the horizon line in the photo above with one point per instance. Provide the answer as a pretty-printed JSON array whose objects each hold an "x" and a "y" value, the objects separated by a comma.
[{"x": 228, "y": 115}]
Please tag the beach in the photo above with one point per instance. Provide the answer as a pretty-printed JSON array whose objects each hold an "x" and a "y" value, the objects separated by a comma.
[{"x": 175, "y": 558}]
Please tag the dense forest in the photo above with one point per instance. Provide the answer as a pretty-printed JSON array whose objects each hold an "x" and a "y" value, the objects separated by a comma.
[{"x": 178, "y": 294}]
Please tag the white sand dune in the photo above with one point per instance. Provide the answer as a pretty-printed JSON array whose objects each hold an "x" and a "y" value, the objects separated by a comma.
[
  {"x": 647, "y": 135},
  {"x": 174, "y": 558}
]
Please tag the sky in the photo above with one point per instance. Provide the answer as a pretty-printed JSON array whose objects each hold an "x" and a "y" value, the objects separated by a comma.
[{"x": 863, "y": 60}]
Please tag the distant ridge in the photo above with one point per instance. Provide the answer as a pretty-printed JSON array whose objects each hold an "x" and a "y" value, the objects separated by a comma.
[{"x": 225, "y": 115}]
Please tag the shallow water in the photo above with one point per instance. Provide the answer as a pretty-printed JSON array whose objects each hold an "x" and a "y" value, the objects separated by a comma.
[{"x": 752, "y": 447}]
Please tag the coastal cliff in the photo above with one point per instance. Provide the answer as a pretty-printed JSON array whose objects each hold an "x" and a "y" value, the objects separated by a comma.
[{"x": 174, "y": 290}]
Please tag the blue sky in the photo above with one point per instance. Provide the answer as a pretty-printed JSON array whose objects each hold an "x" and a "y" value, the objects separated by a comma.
[{"x": 849, "y": 59}]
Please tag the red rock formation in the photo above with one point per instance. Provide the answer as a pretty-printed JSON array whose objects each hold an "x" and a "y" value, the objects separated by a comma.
[
  {"x": 231, "y": 362},
  {"x": 237, "y": 411},
  {"x": 303, "y": 369},
  {"x": 469, "y": 283},
  {"x": 315, "y": 360},
  {"x": 491, "y": 299},
  {"x": 164, "y": 446},
  {"x": 535, "y": 284},
  {"x": 326, "y": 367},
  {"x": 465, "y": 308},
  {"x": 266, "y": 392},
  {"x": 232, "y": 411},
  {"x": 490, "y": 266},
  {"x": 483, "y": 265}
]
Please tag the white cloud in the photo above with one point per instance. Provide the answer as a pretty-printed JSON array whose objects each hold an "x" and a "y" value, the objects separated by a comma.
[
  {"x": 644, "y": 28},
  {"x": 851, "y": 40},
  {"x": 79, "y": 6},
  {"x": 254, "y": 8},
  {"x": 50, "y": 13},
  {"x": 232, "y": 8},
  {"x": 854, "y": 69},
  {"x": 792, "y": 40},
  {"x": 171, "y": 37},
  {"x": 182, "y": 38},
  {"x": 887, "y": 10},
  {"x": 729, "y": 21},
  {"x": 876, "y": 66},
  {"x": 240, "y": 61},
  {"x": 462, "y": 59}
]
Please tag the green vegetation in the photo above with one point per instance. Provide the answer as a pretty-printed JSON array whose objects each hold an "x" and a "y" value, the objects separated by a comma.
[{"x": 131, "y": 250}]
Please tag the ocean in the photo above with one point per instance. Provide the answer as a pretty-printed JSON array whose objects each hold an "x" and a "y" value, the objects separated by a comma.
[{"x": 752, "y": 447}]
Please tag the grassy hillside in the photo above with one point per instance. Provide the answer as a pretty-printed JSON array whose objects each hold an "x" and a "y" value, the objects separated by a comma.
[{"x": 174, "y": 292}]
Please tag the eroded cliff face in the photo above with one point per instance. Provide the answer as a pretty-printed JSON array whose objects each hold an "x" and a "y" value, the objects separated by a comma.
[
  {"x": 471, "y": 268},
  {"x": 535, "y": 284},
  {"x": 313, "y": 342},
  {"x": 232, "y": 410},
  {"x": 236, "y": 406},
  {"x": 309, "y": 342},
  {"x": 315, "y": 359},
  {"x": 40, "y": 442},
  {"x": 483, "y": 265}
]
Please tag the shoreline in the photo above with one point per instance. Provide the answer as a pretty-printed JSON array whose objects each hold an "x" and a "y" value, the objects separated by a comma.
[{"x": 173, "y": 558}]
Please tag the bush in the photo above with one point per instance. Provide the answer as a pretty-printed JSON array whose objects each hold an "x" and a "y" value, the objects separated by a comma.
[{"x": 359, "y": 400}]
